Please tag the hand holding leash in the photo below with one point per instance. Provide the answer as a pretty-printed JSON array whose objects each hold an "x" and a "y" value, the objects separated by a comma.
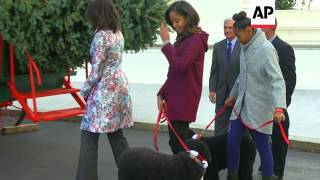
[
  {"x": 162, "y": 107},
  {"x": 230, "y": 101},
  {"x": 279, "y": 115}
]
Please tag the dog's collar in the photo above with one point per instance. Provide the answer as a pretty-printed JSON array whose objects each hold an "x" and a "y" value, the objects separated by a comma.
[
  {"x": 197, "y": 136},
  {"x": 198, "y": 158}
]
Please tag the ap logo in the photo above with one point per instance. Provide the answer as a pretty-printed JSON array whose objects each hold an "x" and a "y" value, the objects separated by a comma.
[{"x": 262, "y": 13}]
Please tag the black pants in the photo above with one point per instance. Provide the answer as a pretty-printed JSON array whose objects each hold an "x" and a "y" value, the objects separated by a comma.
[
  {"x": 183, "y": 130},
  {"x": 221, "y": 125},
  {"x": 88, "y": 159},
  {"x": 279, "y": 147}
]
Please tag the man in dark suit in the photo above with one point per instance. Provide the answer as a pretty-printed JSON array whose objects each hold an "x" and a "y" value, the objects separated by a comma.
[
  {"x": 224, "y": 72},
  {"x": 288, "y": 68}
]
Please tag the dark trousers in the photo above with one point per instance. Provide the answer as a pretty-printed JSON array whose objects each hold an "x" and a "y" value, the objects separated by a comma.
[
  {"x": 183, "y": 130},
  {"x": 279, "y": 147},
  {"x": 221, "y": 125},
  {"x": 88, "y": 158}
]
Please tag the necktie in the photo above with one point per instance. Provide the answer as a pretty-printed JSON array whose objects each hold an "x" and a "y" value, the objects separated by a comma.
[{"x": 229, "y": 52}]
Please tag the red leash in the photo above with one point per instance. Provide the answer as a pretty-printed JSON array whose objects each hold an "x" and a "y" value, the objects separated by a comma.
[
  {"x": 217, "y": 116},
  {"x": 185, "y": 147},
  {"x": 283, "y": 133},
  {"x": 156, "y": 134},
  {"x": 249, "y": 127}
]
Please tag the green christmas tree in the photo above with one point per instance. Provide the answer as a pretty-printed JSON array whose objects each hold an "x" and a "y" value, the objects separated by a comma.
[
  {"x": 285, "y": 4},
  {"x": 57, "y": 32}
]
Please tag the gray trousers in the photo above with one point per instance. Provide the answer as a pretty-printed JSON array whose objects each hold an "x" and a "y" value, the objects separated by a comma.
[
  {"x": 88, "y": 158},
  {"x": 221, "y": 125}
]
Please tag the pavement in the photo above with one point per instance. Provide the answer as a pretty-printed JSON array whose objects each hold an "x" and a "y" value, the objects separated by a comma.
[{"x": 52, "y": 153}]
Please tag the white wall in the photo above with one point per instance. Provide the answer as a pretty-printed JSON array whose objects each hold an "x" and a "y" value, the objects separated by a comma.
[{"x": 298, "y": 27}]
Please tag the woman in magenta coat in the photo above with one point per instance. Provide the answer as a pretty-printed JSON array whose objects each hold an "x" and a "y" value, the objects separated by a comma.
[{"x": 180, "y": 95}]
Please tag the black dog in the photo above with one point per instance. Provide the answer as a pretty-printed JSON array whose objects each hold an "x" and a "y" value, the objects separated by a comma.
[
  {"x": 146, "y": 164},
  {"x": 218, "y": 149}
]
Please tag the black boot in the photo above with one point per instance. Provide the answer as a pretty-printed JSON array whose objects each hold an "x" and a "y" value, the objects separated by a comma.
[{"x": 232, "y": 175}]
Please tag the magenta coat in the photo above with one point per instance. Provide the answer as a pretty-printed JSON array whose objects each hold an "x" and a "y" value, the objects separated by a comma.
[{"x": 182, "y": 89}]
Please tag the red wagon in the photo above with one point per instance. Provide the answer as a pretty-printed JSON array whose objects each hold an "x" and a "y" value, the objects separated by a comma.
[{"x": 10, "y": 91}]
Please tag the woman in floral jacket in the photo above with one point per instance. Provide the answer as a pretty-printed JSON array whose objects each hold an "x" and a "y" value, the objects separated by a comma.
[{"x": 108, "y": 108}]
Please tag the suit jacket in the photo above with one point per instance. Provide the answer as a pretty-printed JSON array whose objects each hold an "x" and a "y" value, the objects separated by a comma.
[
  {"x": 287, "y": 65},
  {"x": 260, "y": 87},
  {"x": 223, "y": 76}
]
